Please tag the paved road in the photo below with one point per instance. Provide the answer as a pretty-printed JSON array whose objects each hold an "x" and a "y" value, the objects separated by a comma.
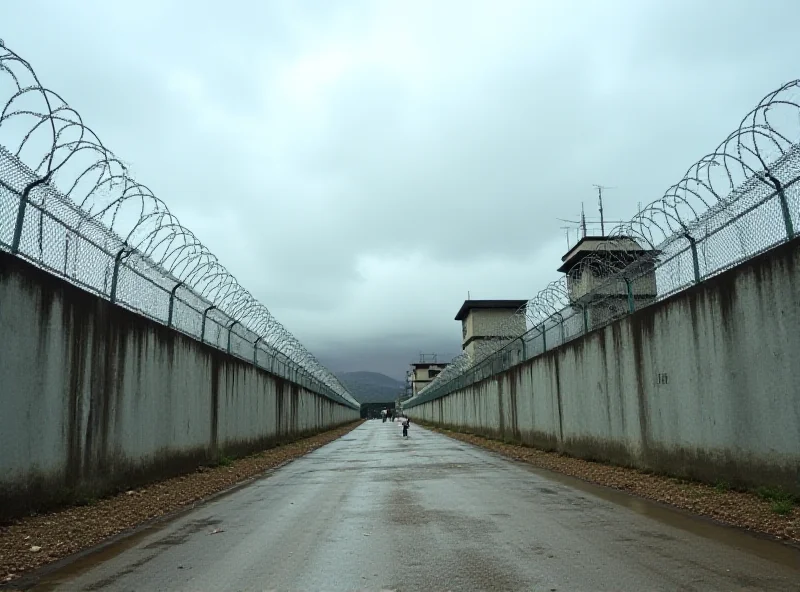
[{"x": 375, "y": 512}]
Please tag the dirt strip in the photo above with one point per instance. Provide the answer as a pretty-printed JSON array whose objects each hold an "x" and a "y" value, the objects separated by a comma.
[
  {"x": 765, "y": 510},
  {"x": 34, "y": 541}
]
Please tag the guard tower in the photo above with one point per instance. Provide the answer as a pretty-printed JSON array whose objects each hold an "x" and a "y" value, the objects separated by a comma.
[
  {"x": 590, "y": 286},
  {"x": 489, "y": 319},
  {"x": 423, "y": 372}
]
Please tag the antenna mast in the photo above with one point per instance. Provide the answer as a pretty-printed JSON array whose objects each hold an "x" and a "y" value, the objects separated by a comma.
[
  {"x": 600, "y": 202},
  {"x": 567, "y": 230},
  {"x": 583, "y": 221}
]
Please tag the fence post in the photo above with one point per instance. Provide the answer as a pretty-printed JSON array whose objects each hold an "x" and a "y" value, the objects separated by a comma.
[
  {"x": 695, "y": 260},
  {"x": 172, "y": 303},
  {"x": 23, "y": 204},
  {"x": 230, "y": 330},
  {"x": 66, "y": 251},
  {"x": 123, "y": 252},
  {"x": 544, "y": 338},
  {"x": 562, "y": 332},
  {"x": 787, "y": 215},
  {"x": 41, "y": 237},
  {"x": 203, "y": 326},
  {"x": 255, "y": 351},
  {"x": 585, "y": 311},
  {"x": 524, "y": 347},
  {"x": 629, "y": 288}
]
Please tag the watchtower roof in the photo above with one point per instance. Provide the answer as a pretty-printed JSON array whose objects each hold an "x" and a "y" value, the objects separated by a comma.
[
  {"x": 622, "y": 247},
  {"x": 470, "y": 305}
]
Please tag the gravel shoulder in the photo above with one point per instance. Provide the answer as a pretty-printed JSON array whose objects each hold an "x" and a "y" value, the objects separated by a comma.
[
  {"x": 765, "y": 511},
  {"x": 35, "y": 541}
]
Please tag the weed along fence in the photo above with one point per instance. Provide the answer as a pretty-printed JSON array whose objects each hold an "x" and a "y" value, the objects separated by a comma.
[
  {"x": 672, "y": 341},
  {"x": 127, "y": 350}
]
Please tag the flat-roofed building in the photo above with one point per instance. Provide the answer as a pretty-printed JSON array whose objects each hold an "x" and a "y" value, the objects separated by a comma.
[{"x": 489, "y": 320}]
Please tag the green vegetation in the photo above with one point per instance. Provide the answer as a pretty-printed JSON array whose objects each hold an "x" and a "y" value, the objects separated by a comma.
[
  {"x": 782, "y": 507},
  {"x": 223, "y": 460},
  {"x": 782, "y": 501},
  {"x": 772, "y": 493}
]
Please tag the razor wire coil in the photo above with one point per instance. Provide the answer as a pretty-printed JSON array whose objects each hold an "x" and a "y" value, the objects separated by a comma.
[
  {"x": 71, "y": 206},
  {"x": 740, "y": 200}
]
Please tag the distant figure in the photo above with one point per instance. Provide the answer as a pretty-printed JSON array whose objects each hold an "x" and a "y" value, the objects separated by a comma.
[
  {"x": 383, "y": 414},
  {"x": 406, "y": 423}
]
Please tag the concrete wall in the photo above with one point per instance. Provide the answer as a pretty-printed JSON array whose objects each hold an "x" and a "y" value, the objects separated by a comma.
[
  {"x": 705, "y": 384},
  {"x": 491, "y": 322},
  {"x": 94, "y": 397}
]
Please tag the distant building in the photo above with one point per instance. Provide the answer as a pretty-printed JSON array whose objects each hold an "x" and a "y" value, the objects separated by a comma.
[
  {"x": 408, "y": 390},
  {"x": 483, "y": 320},
  {"x": 423, "y": 372},
  {"x": 591, "y": 286}
]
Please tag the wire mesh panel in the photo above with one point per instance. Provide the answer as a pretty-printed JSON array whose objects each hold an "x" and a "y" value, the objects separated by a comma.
[
  {"x": 740, "y": 200},
  {"x": 69, "y": 205},
  {"x": 187, "y": 319}
]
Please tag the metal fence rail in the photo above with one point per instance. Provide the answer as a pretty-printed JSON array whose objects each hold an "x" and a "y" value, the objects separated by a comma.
[
  {"x": 70, "y": 206},
  {"x": 740, "y": 200}
]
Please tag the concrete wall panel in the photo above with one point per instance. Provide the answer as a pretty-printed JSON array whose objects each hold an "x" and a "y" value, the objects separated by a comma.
[{"x": 94, "y": 397}]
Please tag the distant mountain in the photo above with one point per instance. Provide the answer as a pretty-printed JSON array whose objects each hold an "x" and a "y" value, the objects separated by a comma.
[{"x": 371, "y": 387}]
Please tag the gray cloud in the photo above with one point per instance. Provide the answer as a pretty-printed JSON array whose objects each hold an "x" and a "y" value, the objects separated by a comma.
[{"x": 359, "y": 166}]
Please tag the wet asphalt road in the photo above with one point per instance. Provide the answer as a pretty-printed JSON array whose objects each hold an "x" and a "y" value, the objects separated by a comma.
[{"x": 372, "y": 511}]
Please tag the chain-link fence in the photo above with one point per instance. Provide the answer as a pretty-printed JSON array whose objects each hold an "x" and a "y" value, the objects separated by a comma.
[
  {"x": 70, "y": 206},
  {"x": 734, "y": 203}
]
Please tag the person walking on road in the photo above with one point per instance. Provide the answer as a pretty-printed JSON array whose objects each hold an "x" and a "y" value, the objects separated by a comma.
[{"x": 406, "y": 423}]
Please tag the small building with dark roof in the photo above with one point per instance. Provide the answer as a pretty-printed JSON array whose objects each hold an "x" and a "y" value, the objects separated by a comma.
[
  {"x": 489, "y": 319},
  {"x": 594, "y": 281},
  {"x": 423, "y": 373}
]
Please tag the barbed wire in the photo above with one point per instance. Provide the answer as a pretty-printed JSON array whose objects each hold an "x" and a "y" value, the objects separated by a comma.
[
  {"x": 735, "y": 202},
  {"x": 70, "y": 205}
]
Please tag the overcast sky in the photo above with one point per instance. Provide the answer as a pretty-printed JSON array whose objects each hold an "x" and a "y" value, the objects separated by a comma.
[{"x": 361, "y": 165}]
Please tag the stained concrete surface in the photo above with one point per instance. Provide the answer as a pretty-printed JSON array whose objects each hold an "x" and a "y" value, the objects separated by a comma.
[
  {"x": 702, "y": 384},
  {"x": 373, "y": 511},
  {"x": 95, "y": 397}
]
